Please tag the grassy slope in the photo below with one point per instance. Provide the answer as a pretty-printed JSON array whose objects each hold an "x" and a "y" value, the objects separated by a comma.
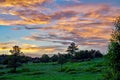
[{"x": 89, "y": 70}]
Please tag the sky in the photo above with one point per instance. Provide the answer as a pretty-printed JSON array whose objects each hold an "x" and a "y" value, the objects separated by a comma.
[{"x": 49, "y": 26}]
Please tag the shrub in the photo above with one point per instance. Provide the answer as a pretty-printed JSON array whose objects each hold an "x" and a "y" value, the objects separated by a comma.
[
  {"x": 93, "y": 69},
  {"x": 68, "y": 70},
  {"x": 2, "y": 73},
  {"x": 24, "y": 70},
  {"x": 35, "y": 73},
  {"x": 1, "y": 67}
]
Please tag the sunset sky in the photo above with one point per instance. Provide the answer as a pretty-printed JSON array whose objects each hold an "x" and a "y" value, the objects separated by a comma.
[{"x": 49, "y": 26}]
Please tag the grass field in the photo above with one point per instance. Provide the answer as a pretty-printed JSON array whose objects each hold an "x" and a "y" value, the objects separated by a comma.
[{"x": 88, "y": 70}]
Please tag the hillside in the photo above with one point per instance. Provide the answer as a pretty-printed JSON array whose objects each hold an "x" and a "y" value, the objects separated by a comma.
[{"x": 88, "y": 70}]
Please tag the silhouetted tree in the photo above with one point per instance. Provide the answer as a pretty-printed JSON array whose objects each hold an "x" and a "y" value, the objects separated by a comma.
[
  {"x": 113, "y": 55},
  {"x": 82, "y": 55},
  {"x": 3, "y": 59},
  {"x": 68, "y": 57},
  {"x": 14, "y": 58},
  {"x": 54, "y": 58},
  {"x": 25, "y": 59},
  {"x": 45, "y": 58},
  {"x": 72, "y": 48},
  {"x": 98, "y": 54},
  {"x": 87, "y": 54},
  {"x": 61, "y": 60},
  {"x": 71, "y": 51},
  {"x": 36, "y": 60}
]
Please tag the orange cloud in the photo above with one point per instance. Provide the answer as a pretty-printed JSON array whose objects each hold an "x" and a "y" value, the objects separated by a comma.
[
  {"x": 80, "y": 23},
  {"x": 21, "y": 2},
  {"x": 28, "y": 49},
  {"x": 26, "y": 10}
]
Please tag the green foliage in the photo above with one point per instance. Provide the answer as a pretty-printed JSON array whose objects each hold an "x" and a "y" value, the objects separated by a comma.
[
  {"x": 47, "y": 71},
  {"x": 68, "y": 70},
  {"x": 61, "y": 60},
  {"x": 114, "y": 54},
  {"x": 24, "y": 70},
  {"x": 2, "y": 73},
  {"x": 71, "y": 70},
  {"x": 3, "y": 78},
  {"x": 35, "y": 73},
  {"x": 1, "y": 67},
  {"x": 93, "y": 69}
]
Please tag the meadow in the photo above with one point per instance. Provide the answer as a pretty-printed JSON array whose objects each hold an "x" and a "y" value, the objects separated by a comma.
[{"x": 87, "y": 70}]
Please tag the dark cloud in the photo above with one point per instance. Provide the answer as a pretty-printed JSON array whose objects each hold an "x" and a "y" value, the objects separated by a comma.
[{"x": 2, "y": 1}]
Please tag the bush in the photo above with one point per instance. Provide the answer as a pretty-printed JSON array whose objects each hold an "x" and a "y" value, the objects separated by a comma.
[
  {"x": 24, "y": 70},
  {"x": 2, "y": 67},
  {"x": 63, "y": 69},
  {"x": 68, "y": 70},
  {"x": 36, "y": 73},
  {"x": 98, "y": 65},
  {"x": 4, "y": 78},
  {"x": 2, "y": 73},
  {"x": 72, "y": 72},
  {"x": 93, "y": 69},
  {"x": 12, "y": 71}
]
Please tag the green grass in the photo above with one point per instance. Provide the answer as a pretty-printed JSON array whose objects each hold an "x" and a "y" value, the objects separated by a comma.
[{"x": 89, "y": 70}]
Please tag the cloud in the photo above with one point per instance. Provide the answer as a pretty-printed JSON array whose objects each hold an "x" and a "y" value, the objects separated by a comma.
[
  {"x": 21, "y": 2},
  {"x": 73, "y": 21},
  {"x": 36, "y": 12},
  {"x": 29, "y": 49},
  {"x": 83, "y": 24},
  {"x": 29, "y": 12},
  {"x": 63, "y": 15}
]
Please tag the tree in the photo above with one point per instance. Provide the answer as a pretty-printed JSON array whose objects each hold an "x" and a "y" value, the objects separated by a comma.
[
  {"x": 36, "y": 60},
  {"x": 72, "y": 48},
  {"x": 98, "y": 54},
  {"x": 61, "y": 60},
  {"x": 113, "y": 55},
  {"x": 14, "y": 58},
  {"x": 45, "y": 58},
  {"x": 54, "y": 58},
  {"x": 83, "y": 55}
]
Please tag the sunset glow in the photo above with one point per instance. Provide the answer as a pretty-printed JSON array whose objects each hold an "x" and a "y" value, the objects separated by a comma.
[{"x": 49, "y": 26}]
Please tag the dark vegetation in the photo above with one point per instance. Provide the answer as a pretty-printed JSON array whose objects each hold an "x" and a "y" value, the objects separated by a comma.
[
  {"x": 86, "y": 70},
  {"x": 113, "y": 56},
  {"x": 17, "y": 58},
  {"x": 80, "y": 55},
  {"x": 18, "y": 63}
]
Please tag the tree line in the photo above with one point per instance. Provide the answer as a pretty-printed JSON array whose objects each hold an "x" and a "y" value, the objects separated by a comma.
[{"x": 17, "y": 58}]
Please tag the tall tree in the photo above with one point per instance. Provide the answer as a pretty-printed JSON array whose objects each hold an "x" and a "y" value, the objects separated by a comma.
[
  {"x": 72, "y": 48},
  {"x": 61, "y": 60},
  {"x": 114, "y": 53},
  {"x": 14, "y": 59}
]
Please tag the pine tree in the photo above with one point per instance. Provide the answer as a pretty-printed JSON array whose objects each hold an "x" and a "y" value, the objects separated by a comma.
[{"x": 72, "y": 48}]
